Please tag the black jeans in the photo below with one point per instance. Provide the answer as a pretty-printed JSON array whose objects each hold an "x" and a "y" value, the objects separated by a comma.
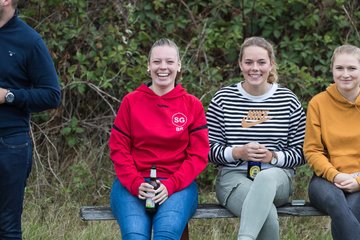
[
  {"x": 343, "y": 208},
  {"x": 15, "y": 166}
]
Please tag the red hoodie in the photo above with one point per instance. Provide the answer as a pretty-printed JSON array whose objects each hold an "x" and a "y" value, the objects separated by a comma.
[{"x": 168, "y": 131}]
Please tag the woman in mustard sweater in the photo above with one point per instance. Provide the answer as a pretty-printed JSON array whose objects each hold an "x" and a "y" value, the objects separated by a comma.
[{"x": 332, "y": 145}]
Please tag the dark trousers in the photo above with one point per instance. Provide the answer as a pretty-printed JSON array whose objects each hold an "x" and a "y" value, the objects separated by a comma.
[
  {"x": 15, "y": 166},
  {"x": 343, "y": 208}
]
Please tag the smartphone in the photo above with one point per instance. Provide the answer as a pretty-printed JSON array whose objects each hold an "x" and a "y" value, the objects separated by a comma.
[{"x": 298, "y": 202}]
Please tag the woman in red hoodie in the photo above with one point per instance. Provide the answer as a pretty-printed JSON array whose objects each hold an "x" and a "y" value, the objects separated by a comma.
[{"x": 159, "y": 124}]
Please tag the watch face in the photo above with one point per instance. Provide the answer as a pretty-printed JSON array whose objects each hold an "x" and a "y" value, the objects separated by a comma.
[{"x": 9, "y": 97}]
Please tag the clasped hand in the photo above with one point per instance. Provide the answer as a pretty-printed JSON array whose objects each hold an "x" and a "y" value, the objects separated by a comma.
[
  {"x": 346, "y": 182},
  {"x": 146, "y": 190},
  {"x": 253, "y": 151}
]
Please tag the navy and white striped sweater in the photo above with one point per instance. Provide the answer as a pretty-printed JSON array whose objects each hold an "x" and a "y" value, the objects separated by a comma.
[{"x": 275, "y": 119}]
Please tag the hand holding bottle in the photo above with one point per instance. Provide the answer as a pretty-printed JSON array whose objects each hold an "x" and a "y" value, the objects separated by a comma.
[
  {"x": 161, "y": 194},
  {"x": 146, "y": 190}
]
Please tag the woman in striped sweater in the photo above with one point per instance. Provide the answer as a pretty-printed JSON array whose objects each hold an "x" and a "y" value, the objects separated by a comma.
[{"x": 256, "y": 121}]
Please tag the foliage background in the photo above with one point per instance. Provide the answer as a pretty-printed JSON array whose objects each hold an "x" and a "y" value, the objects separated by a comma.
[{"x": 100, "y": 50}]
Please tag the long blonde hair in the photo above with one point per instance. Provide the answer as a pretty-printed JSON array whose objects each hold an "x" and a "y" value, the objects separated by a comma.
[{"x": 261, "y": 42}]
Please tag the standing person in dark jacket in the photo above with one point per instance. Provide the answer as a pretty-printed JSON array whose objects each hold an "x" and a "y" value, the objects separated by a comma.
[{"x": 28, "y": 83}]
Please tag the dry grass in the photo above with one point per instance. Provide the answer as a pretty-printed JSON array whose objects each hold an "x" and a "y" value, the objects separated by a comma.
[
  {"x": 51, "y": 210},
  {"x": 292, "y": 228},
  {"x": 43, "y": 220}
]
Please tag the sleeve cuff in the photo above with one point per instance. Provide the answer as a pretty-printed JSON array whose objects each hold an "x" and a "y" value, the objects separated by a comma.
[
  {"x": 135, "y": 187},
  {"x": 331, "y": 174},
  {"x": 281, "y": 158},
  {"x": 228, "y": 155}
]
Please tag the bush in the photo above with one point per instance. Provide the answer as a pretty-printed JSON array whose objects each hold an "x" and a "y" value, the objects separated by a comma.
[{"x": 100, "y": 50}]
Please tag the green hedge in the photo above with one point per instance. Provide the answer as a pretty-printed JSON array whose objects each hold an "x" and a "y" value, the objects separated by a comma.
[{"x": 100, "y": 50}]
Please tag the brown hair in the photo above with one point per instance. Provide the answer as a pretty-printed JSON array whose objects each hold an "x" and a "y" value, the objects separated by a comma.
[
  {"x": 348, "y": 49},
  {"x": 261, "y": 42}
]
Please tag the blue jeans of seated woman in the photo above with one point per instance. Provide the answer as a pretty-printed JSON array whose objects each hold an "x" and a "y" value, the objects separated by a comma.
[
  {"x": 167, "y": 223},
  {"x": 343, "y": 208},
  {"x": 15, "y": 166}
]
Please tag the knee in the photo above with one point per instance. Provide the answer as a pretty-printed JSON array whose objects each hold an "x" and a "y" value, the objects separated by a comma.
[
  {"x": 265, "y": 179},
  {"x": 327, "y": 201},
  {"x": 135, "y": 228},
  {"x": 169, "y": 225},
  {"x": 323, "y": 192},
  {"x": 167, "y": 233},
  {"x": 135, "y": 236},
  {"x": 265, "y": 175},
  {"x": 170, "y": 230}
]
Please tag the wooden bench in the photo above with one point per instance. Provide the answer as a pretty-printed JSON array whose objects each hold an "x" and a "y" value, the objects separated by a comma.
[{"x": 205, "y": 211}]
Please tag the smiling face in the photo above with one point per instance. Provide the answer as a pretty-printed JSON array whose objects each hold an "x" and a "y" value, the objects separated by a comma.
[
  {"x": 164, "y": 64},
  {"x": 255, "y": 65},
  {"x": 346, "y": 74}
]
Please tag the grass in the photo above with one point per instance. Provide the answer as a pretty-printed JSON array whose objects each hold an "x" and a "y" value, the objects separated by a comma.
[
  {"x": 63, "y": 222},
  {"x": 292, "y": 228},
  {"x": 51, "y": 209},
  {"x": 43, "y": 220}
]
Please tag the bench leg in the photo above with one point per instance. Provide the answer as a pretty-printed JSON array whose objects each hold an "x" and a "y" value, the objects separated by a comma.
[{"x": 185, "y": 234}]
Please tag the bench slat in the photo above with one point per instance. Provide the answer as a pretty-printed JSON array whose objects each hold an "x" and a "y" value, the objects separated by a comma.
[
  {"x": 101, "y": 213},
  {"x": 96, "y": 213},
  {"x": 300, "y": 211}
]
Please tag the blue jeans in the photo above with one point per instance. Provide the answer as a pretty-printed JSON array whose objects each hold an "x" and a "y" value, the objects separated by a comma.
[
  {"x": 343, "y": 208},
  {"x": 15, "y": 166},
  {"x": 167, "y": 223}
]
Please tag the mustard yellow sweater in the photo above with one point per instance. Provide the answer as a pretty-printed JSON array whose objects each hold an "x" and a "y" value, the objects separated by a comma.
[{"x": 332, "y": 135}]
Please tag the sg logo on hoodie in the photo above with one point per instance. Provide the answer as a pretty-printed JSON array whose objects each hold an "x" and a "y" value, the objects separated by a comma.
[{"x": 179, "y": 120}]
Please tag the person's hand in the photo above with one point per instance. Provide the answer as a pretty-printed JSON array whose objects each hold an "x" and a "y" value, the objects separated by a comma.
[
  {"x": 350, "y": 185},
  {"x": 253, "y": 151},
  {"x": 341, "y": 177},
  {"x": 146, "y": 190},
  {"x": 346, "y": 182},
  {"x": 161, "y": 194},
  {"x": 3, "y": 92},
  {"x": 268, "y": 154},
  {"x": 357, "y": 174}
]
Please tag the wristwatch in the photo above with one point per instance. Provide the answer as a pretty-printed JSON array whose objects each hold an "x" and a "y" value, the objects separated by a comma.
[
  {"x": 274, "y": 158},
  {"x": 9, "y": 97}
]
